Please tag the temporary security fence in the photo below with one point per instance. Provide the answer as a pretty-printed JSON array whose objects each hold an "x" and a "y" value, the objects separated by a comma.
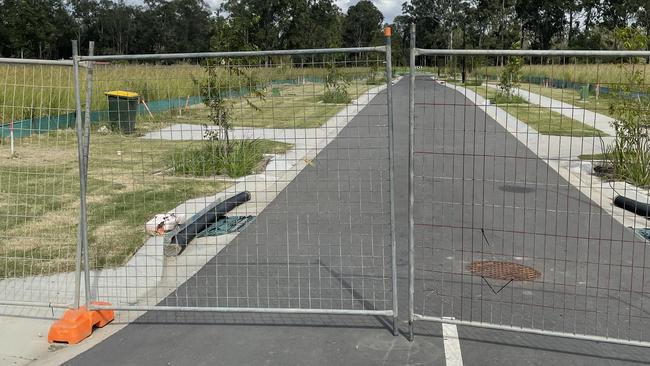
[
  {"x": 263, "y": 182},
  {"x": 39, "y": 186},
  {"x": 305, "y": 164},
  {"x": 515, "y": 217}
]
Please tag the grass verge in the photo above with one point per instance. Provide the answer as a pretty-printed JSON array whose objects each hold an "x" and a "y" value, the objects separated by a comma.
[
  {"x": 238, "y": 158},
  {"x": 294, "y": 106},
  {"x": 594, "y": 157},
  {"x": 128, "y": 183},
  {"x": 630, "y": 166},
  {"x": 129, "y": 179},
  {"x": 543, "y": 120},
  {"x": 571, "y": 96}
]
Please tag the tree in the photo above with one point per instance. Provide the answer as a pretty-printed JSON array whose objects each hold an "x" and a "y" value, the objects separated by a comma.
[
  {"x": 177, "y": 25},
  {"x": 401, "y": 40},
  {"x": 362, "y": 25},
  {"x": 44, "y": 28},
  {"x": 259, "y": 22},
  {"x": 510, "y": 75},
  {"x": 643, "y": 18},
  {"x": 321, "y": 17},
  {"x": 233, "y": 34},
  {"x": 113, "y": 26},
  {"x": 326, "y": 20},
  {"x": 542, "y": 20},
  {"x": 34, "y": 28},
  {"x": 618, "y": 13},
  {"x": 573, "y": 8},
  {"x": 438, "y": 22},
  {"x": 250, "y": 25},
  {"x": 629, "y": 154}
]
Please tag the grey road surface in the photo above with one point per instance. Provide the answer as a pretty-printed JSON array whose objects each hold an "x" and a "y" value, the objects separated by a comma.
[
  {"x": 318, "y": 264},
  {"x": 482, "y": 196}
]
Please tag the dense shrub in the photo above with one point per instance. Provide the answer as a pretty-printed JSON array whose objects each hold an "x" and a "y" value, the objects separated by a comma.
[{"x": 235, "y": 159}]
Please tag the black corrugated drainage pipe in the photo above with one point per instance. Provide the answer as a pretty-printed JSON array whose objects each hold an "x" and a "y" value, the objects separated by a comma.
[
  {"x": 202, "y": 221},
  {"x": 631, "y": 205}
]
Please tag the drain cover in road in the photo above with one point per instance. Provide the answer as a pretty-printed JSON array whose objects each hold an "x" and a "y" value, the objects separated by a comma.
[
  {"x": 643, "y": 233},
  {"x": 227, "y": 225},
  {"x": 507, "y": 271}
]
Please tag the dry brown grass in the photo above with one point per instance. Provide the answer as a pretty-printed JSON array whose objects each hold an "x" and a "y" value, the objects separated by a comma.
[
  {"x": 593, "y": 73},
  {"x": 28, "y": 90},
  {"x": 39, "y": 199}
]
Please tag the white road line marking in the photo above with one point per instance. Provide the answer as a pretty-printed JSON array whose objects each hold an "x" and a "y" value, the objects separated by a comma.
[{"x": 453, "y": 356}]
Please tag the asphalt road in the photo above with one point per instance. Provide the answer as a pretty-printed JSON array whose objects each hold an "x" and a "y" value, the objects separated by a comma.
[
  {"x": 323, "y": 242},
  {"x": 471, "y": 175}
]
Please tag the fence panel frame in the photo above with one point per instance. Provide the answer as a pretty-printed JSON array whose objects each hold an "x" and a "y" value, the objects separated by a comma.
[
  {"x": 414, "y": 315},
  {"x": 90, "y": 59},
  {"x": 74, "y": 300}
]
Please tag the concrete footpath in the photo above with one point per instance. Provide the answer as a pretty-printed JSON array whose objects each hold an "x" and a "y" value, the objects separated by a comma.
[{"x": 358, "y": 164}]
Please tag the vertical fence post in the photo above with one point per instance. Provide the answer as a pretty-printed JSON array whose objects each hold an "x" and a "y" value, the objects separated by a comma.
[
  {"x": 86, "y": 149},
  {"x": 411, "y": 276},
  {"x": 391, "y": 168},
  {"x": 82, "y": 231},
  {"x": 82, "y": 185}
]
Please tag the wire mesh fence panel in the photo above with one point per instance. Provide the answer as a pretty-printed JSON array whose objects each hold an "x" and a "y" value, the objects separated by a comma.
[
  {"x": 256, "y": 183},
  {"x": 515, "y": 179},
  {"x": 39, "y": 184}
]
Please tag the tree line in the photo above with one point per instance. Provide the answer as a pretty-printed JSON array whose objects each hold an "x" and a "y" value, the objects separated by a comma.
[
  {"x": 548, "y": 24},
  {"x": 44, "y": 28}
]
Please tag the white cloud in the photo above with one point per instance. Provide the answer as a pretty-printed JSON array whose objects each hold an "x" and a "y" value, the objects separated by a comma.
[{"x": 390, "y": 8}]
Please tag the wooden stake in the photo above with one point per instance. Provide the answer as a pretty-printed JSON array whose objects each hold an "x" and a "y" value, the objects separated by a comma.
[{"x": 146, "y": 107}]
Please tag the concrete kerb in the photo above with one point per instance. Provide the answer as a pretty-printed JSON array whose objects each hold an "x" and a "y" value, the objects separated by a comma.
[
  {"x": 561, "y": 154},
  {"x": 149, "y": 276}
]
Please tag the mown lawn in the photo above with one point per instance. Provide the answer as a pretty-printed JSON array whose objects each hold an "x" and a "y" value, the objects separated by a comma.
[
  {"x": 592, "y": 157},
  {"x": 543, "y": 120},
  {"x": 129, "y": 181},
  {"x": 291, "y": 106},
  {"x": 571, "y": 96},
  {"x": 548, "y": 122}
]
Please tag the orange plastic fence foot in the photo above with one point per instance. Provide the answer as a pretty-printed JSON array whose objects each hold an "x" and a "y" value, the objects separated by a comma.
[{"x": 78, "y": 324}]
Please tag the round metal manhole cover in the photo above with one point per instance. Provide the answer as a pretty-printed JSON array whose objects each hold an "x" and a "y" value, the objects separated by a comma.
[{"x": 507, "y": 271}]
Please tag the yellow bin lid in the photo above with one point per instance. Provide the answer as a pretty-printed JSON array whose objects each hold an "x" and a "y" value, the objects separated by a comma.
[{"x": 122, "y": 94}]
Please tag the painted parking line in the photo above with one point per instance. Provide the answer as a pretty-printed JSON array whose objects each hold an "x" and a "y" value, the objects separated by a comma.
[{"x": 453, "y": 356}]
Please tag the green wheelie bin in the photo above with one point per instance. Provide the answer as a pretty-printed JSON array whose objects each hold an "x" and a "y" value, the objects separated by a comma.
[
  {"x": 122, "y": 110},
  {"x": 584, "y": 92}
]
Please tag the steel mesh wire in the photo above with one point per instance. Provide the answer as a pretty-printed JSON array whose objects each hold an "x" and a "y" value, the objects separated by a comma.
[{"x": 503, "y": 180}]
